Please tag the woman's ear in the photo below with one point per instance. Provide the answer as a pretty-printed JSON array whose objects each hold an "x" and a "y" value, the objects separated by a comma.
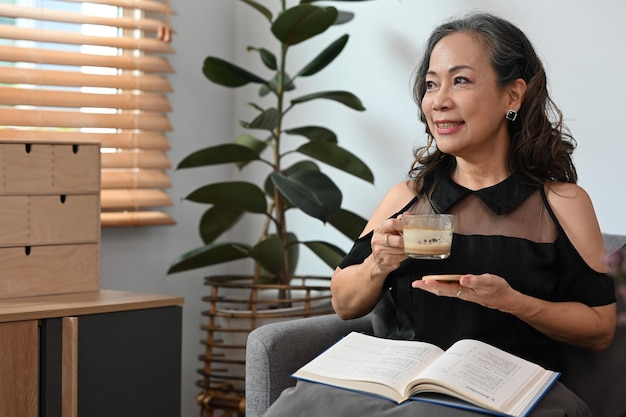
[{"x": 517, "y": 91}]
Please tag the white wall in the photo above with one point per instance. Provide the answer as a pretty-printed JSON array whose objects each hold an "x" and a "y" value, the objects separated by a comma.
[{"x": 581, "y": 43}]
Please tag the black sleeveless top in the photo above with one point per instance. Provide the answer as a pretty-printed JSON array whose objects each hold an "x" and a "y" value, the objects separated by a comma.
[{"x": 509, "y": 230}]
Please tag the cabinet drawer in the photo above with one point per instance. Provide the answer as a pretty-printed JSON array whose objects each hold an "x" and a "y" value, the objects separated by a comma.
[
  {"x": 64, "y": 219},
  {"x": 77, "y": 168},
  {"x": 43, "y": 168},
  {"x": 14, "y": 220},
  {"x": 49, "y": 219},
  {"x": 44, "y": 270}
]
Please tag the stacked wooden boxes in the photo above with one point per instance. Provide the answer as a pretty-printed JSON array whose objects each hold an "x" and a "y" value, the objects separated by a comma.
[{"x": 49, "y": 218}]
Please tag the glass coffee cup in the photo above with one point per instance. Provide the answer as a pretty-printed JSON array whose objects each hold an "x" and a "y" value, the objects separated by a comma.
[{"x": 427, "y": 236}]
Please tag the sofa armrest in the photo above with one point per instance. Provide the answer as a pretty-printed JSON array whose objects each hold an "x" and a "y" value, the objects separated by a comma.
[
  {"x": 599, "y": 378},
  {"x": 275, "y": 351}
]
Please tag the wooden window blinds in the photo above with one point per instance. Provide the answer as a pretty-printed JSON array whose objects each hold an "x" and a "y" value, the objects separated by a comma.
[{"x": 97, "y": 71}]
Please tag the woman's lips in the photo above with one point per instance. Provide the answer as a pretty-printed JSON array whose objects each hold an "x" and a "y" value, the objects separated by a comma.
[{"x": 448, "y": 127}]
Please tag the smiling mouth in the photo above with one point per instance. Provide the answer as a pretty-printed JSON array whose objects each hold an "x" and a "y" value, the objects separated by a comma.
[{"x": 448, "y": 125}]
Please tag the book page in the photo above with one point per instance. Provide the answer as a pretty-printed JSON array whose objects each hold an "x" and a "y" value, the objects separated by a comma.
[
  {"x": 365, "y": 358},
  {"x": 485, "y": 374}
]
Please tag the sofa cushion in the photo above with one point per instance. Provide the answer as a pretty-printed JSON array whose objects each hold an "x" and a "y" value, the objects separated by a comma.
[{"x": 599, "y": 378}]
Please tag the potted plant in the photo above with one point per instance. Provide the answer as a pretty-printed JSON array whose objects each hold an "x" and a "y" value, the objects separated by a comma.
[{"x": 270, "y": 140}]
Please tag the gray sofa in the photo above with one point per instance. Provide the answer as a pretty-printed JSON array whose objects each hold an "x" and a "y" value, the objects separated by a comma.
[{"x": 275, "y": 351}]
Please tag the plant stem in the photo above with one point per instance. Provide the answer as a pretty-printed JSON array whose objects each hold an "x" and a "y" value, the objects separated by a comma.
[{"x": 279, "y": 203}]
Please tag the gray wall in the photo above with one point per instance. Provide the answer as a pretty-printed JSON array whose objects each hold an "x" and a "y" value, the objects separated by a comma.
[{"x": 581, "y": 43}]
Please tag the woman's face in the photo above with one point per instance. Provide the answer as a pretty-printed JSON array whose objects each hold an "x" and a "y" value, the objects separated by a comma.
[{"x": 463, "y": 104}]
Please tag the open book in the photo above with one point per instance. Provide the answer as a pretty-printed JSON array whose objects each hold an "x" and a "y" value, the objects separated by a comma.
[{"x": 483, "y": 377}]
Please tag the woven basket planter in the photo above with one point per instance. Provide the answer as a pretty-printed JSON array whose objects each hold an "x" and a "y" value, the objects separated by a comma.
[{"x": 236, "y": 306}]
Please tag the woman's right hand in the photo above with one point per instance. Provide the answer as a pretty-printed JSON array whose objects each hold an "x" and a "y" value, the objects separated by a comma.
[
  {"x": 388, "y": 245},
  {"x": 357, "y": 288}
]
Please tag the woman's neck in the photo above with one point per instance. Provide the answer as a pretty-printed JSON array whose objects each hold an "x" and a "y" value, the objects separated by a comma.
[{"x": 478, "y": 176}]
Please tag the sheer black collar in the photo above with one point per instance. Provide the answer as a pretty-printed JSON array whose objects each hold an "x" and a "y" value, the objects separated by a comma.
[{"x": 501, "y": 198}]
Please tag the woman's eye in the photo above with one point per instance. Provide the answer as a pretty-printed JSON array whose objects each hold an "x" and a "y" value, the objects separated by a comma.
[
  {"x": 460, "y": 80},
  {"x": 430, "y": 85}
]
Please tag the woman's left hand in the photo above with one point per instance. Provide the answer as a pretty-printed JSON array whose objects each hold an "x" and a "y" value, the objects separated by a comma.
[
  {"x": 487, "y": 290},
  {"x": 570, "y": 322}
]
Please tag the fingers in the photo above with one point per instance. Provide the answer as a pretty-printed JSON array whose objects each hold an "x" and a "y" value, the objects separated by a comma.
[
  {"x": 482, "y": 289},
  {"x": 388, "y": 245},
  {"x": 393, "y": 241},
  {"x": 442, "y": 288},
  {"x": 387, "y": 235}
]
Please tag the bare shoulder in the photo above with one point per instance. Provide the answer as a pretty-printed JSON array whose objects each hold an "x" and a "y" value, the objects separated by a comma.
[
  {"x": 394, "y": 199},
  {"x": 574, "y": 210},
  {"x": 569, "y": 200},
  {"x": 399, "y": 193}
]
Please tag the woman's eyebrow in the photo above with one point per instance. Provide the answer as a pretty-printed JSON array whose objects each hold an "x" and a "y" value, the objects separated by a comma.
[{"x": 452, "y": 70}]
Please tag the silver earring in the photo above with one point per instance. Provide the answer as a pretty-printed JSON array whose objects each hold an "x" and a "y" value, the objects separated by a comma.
[{"x": 511, "y": 115}]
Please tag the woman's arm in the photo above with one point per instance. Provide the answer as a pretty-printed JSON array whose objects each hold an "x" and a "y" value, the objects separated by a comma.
[
  {"x": 571, "y": 322},
  {"x": 357, "y": 288},
  {"x": 575, "y": 323}
]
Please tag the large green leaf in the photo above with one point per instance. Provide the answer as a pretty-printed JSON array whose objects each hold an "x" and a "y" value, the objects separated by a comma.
[
  {"x": 268, "y": 58},
  {"x": 342, "y": 97},
  {"x": 324, "y": 58},
  {"x": 301, "y": 166},
  {"x": 288, "y": 85},
  {"x": 208, "y": 255},
  {"x": 267, "y": 120},
  {"x": 256, "y": 145},
  {"x": 313, "y": 1},
  {"x": 298, "y": 166},
  {"x": 259, "y": 7},
  {"x": 311, "y": 191},
  {"x": 302, "y": 22},
  {"x": 293, "y": 252},
  {"x": 338, "y": 157},
  {"x": 330, "y": 254},
  {"x": 220, "y": 154},
  {"x": 344, "y": 17},
  {"x": 217, "y": 220},
  {"x": 229, "y": 75},
  {"x": 314, "y": 133},
  {"x": 348, "y": 223},
  {"x": 269, "y": 253},
  {"x": 239, "y": 195}
]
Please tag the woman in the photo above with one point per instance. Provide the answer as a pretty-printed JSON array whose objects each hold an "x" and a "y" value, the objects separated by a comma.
[{"x": 527, "y": 242}]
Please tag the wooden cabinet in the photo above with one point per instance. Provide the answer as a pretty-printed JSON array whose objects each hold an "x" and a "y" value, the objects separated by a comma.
[
  {"x": 106, "y": 353},
  {"x": 50, "y": 217},
  {"x": 18, "y": 368}
]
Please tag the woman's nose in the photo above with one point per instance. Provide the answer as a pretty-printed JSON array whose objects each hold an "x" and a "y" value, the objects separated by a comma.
[{"x": 442, "y": 99}]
